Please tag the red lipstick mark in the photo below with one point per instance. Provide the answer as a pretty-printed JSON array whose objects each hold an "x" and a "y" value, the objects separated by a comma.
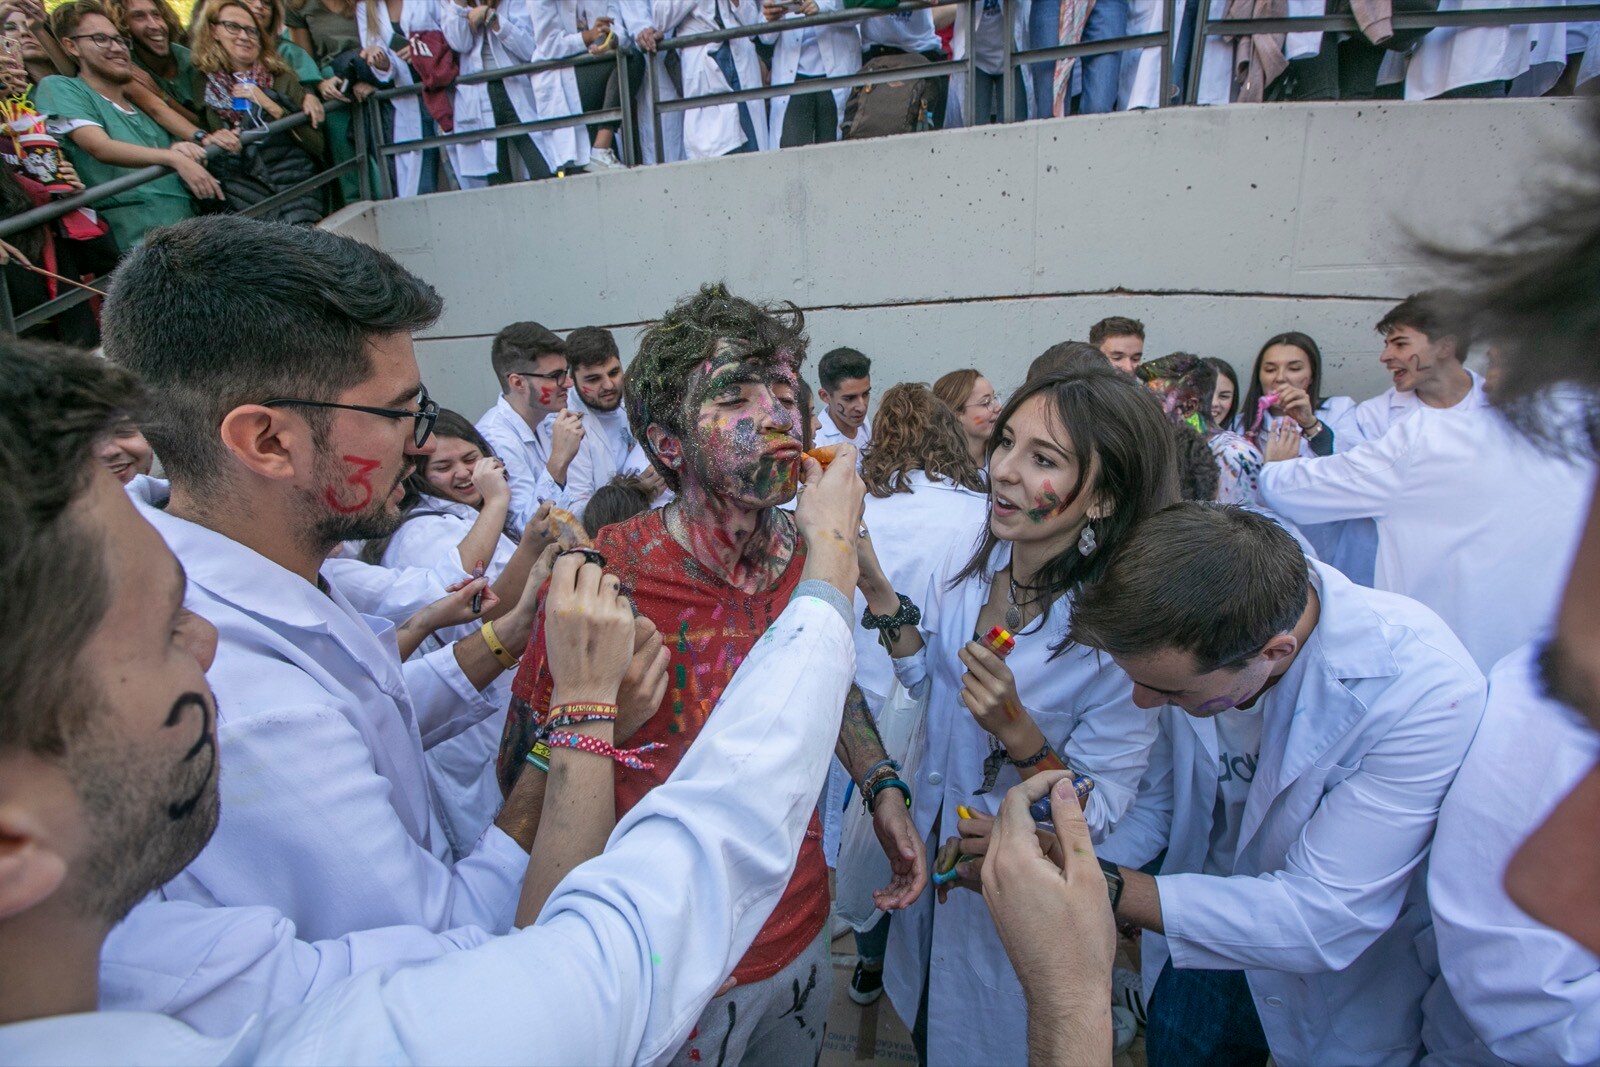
[{"x": 359, "y": 482}]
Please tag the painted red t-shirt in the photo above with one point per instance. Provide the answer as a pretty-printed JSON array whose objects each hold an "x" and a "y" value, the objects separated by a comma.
[{"x": 709, "y": 627}]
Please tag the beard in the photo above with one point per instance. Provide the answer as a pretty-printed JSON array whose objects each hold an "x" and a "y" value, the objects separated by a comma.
[
  {"x": 327, "y": 512},
  {"x": 148, "y": 816},
  {"x": 597, "y": 405}
]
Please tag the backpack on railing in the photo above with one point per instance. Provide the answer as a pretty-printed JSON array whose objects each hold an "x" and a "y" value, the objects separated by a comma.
[{"x": 890, "y": 107}]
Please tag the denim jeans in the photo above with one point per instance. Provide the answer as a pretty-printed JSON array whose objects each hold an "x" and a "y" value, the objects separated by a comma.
[
  {"x": 724, "y": 58},
  {"x": 990, "y": 99},
  {"x": 871, "y": 945},
  {"x": 1203, "y": 1017},
  {"x": 1101, "y": 75}
]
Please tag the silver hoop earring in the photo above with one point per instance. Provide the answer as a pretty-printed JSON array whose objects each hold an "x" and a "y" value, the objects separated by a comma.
[{"x": 1087, "y": 542}]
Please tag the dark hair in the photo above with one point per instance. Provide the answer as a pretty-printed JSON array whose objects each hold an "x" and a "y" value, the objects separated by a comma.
[
  {"x": 14, "y": 200},
  {"x": 54, "y": 404},
  {"x": 1187, "y": 376},
  {"x": 65, "y": 20},
  {"x": 520, "y": 344},
  {"x": 1117, "y": 432},
  {"x": 1198, "y": 476},
  {"x": 1068, "y": 357},
  {"x": 954, "y": 388},
  {"x": 1115, "y": 326},
  {"x": 221, "y": 311},
  {"x": 916, "y": 431},
  {"x": 1225, "y": 369},
  {"x": 656, "y": 387},
  {"x": 841, "y": 365},
  {"x": 590, "y": 346},
  {"x": 619, "y": 500},
  {"x": 1530, "y": 292},
  {"x": 448, "y": 424},
  {"x": 807, "y": 404},
  {"x": 1432, "y": 312},
  {"x": 1214, "y": 580},
  {"x": 1313, "y": 355}
]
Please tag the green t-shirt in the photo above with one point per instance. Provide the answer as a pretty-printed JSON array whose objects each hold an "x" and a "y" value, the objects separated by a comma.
[
  {"x": 185, "y": 84},
  {"x": 331, "y": 32},
  {"x": 69, "y": 103}
]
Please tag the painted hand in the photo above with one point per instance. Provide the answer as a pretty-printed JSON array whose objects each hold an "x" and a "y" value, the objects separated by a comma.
[
  {"x": 1296, "y": 404},
  {"x": 645, "y": 684},
  {"x": 908, "y": 861},
  {"x": 588, "y": 633},
  {"x": 989, "y": 690},
  {"x": 1282, "y": 443}
]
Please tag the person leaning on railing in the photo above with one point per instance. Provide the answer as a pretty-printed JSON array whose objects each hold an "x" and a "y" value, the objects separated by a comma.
[{"x": 247, "y": 85}]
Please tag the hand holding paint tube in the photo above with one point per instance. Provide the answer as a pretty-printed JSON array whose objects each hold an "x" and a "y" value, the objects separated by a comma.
[{"x": 989, "y": 689}]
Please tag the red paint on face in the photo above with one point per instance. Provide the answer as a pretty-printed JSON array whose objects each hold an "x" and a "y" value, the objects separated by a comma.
[
  {"x": 547, "y": 394},
  {"x": 359, "y": 487}
]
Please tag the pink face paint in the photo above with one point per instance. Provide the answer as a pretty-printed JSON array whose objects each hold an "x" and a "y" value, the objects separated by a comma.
[{"x": 358, "y": 483}]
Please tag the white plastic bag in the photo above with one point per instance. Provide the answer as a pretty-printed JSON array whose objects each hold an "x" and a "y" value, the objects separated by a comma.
[{"x": 862, "y": 866}]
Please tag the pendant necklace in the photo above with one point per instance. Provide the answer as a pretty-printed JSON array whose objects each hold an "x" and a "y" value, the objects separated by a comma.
[{"x": 1013, "y": 612}]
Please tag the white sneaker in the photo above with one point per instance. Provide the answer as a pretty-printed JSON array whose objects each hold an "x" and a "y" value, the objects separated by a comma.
[
  {"x": 1127, "y": 993},
  {"x": 604, "y": 159},
  {"x": 1123, "y": 1028}
]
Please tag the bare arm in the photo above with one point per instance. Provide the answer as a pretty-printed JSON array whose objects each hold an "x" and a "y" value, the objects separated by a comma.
[{"x": 884, "y": 599}]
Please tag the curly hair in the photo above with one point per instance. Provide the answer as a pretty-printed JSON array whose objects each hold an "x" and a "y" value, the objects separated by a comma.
[
  {"x": 208, "y": 54},
  {"x": 1198, "y": 477},
  {"x": 656, "y": 386},
  {"x": 915, "y": 430}
]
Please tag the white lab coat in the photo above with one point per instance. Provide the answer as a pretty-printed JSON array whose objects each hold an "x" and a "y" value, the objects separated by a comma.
[
  {"x": 1322, "y": 910},
  {"x": 1141, "y": 70},
  {"x": 555, "y": 92},
  {"x": 955, "y": 100},
  {"x": 829, "y": 434},
  {"x": 1352, "y": 544},
  {"x": 462, "y": 768},
  {"x": 1511, "y": 990},
  {"x": 511, "y": 45},
  {"x": 415, "y": 17},
  {"x": 715, "y": 131},
  {"x": 1473, "y": 520},
  {"x": 630, "y": 946},
  {"x": 632, "y": 17},
  {"x": 607, "y": 443},
  {"x": 1083, "y": 704},
  {"x": 525, "y": 450},
  {"x": 327, "y": 813},
  {"x": 841, "y": 56},
  {"x": 1377, "y": 415},
  {"x": 1449, "y": 59}
]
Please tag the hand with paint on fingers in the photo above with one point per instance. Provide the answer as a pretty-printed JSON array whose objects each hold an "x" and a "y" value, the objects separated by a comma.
[
  {"x": 908, "y": 860},
  {"x": 537, "y": 532},
  {"x": 1054, "y": 918},
  {"x": 828, "y": 512},
  {"x": 651, "y": 482},
  {"x": 1282, "y": 443},
  {"x": 645, "y": 684},
  {"x": 588, "y": 633},
  {"x": 489, "y": 478},
  {"x": 989, "y": 692},
  {"x": 515, "y": 627}
]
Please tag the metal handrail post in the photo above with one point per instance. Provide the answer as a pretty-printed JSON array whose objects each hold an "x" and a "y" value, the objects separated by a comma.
[
  {"x": 969, "y": 105},
  {"x": 376, "y": 132},
  {"x": 630, "y": 148},
  {"x": 8, "y": 319},
  {"x": 1169, "y": 16},
  {"x": 653, "y": 95},
  {"x": 1007, "y": 93},
  {"x": 358, "y": 134},
  {"x": 1197, "y": 52}
]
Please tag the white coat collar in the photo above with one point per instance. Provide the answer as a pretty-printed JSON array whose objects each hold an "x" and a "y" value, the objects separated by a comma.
[
  {"x": 1348, "y": 644},
  {"x": 428, "y": 502},
  {"x": 113, "y": 1037},
  {"x": 242, "y": 577},
  {"x": 508, "y": 414}
]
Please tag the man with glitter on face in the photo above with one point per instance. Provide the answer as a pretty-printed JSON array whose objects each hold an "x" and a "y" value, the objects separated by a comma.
[{"x": 713, "y": 395}]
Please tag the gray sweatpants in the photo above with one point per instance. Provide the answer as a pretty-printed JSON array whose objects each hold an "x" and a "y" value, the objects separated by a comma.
[{"x": 778, "y": 1022}]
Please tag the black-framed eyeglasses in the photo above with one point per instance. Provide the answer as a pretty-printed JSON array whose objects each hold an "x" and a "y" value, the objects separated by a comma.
[
  {"x": 557, "y": 376},
  {"x": 104, "y": 40},
  {"x": 426, "y": 414},
  {"x": 239, "y": 29}
]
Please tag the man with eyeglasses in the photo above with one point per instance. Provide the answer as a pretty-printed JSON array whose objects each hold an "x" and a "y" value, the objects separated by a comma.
[
  {"x": 530, "y": 427},
  {"x": 287, "y": 410},
  {"x": 107, "y": 135}
]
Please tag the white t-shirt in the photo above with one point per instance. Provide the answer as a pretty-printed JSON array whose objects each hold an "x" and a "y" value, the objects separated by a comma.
[
  {"x": 988, "y": 46},
  {"x": 828, "y": 434},
  {"x": 1238, "y": 747},
  {"x": 910, "y": 31}
]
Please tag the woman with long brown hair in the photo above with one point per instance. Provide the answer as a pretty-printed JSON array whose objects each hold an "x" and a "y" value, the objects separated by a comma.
[{"x": 975, "y": 403}]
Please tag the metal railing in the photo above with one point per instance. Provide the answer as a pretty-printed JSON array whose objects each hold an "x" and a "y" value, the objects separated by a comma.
[
  {"x": 371, "y": 145},
  {"x": 14, "y": 324}
]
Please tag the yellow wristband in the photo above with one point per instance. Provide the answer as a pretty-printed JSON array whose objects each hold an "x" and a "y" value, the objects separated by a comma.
[{"x": 507, "y": 660}]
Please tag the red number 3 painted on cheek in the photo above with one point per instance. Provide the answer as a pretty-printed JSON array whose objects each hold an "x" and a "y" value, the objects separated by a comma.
[{"x": 359, "y": 486}]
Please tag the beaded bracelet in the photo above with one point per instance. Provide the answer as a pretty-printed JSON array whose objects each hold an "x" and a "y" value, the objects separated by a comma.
[
  {"x": 628, "y": 757},
  {"x": 908, "y": 614}
]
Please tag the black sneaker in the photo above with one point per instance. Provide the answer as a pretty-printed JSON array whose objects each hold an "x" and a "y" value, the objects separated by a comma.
[{"x": 866, "y": 986}]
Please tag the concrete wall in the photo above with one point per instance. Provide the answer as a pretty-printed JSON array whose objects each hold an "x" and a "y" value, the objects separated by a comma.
[{"x": 1216, "y": 226}]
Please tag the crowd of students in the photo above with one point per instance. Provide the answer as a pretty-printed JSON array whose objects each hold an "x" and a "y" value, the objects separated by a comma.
[
  {"x": 303, "y": 724},
  {"x": 124, "y": 84}
]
